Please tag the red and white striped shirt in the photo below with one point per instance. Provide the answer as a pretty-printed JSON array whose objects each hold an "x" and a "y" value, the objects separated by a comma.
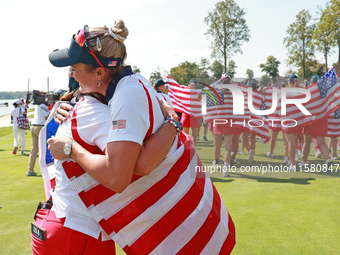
[{"x": 174, "y": 210}]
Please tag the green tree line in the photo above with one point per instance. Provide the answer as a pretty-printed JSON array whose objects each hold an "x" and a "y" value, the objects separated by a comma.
[
  {"x": 228, "y": 30},
  {"x": 13, "y": 95}
]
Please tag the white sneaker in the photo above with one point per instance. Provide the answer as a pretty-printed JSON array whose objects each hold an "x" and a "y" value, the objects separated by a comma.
[
  {"x": 232, "y": 159},
  {"x": 297, "y": 157},
  {"x": 292, "y": 168},
  {"x": 225, "y": 170},
  {"x": 318, "y": 154},
  {"x": 286, "y": 160},
  {"x": 250, "y": 156},
  {"x": 242, "y": 153},
  {"x": 302, "y": 164},
  {"x": 329, "y": 164},
  {"x": 269, "y": 155},
  {"x": 335, "y": 157}
]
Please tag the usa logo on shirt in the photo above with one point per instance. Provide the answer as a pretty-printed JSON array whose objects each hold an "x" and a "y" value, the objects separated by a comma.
[{"x": 118, "y": 124}]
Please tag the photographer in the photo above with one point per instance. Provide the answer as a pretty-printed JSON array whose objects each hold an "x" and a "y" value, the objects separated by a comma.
[{"x": 40, "y": 114}]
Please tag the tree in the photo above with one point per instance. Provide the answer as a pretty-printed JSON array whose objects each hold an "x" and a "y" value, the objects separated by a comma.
[
  {"x": 250, "y": 74},
  {"x": 299, "y": 41},
  {"x": 154, "y": 76},
  {"x": 271, "y": 67},
  {"x": 322, "y": 37},
  {"x": 135, "y": 69},
  {"x": 331, "y": 19},
  {"x": 203, "y": 68},
  {"x": 228, "y": 29},
  {"x": 231, "y": 69},
  {"x": 217, "y": 69},
  {"x": 289, "y": 72},
  {"x": 265, "y": 79},
  {"x": 314, "y": 68},
  {"x": 184, "y": 72}
]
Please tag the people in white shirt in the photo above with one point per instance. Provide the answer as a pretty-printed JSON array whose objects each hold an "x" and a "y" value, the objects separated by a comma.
[{"x": 15, "y": 113}]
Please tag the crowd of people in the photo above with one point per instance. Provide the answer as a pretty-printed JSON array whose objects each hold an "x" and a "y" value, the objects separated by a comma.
[{"x": 297, "y": 140}]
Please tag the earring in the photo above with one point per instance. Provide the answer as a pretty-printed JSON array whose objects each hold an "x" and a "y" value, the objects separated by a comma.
[{"x": 98, "y": 83}]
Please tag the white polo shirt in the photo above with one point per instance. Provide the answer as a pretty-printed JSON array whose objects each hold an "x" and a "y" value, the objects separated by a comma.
[
  {"x": 129, "y": 108},
  {"x": 40, "y": 113}
]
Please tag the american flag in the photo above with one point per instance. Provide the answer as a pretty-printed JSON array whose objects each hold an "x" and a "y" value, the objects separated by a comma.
[
  {"x": 327, "y": 82},
  {"x": 118, "y": 124},
  {"x": 274, "y": 118},
  {"x": 334, "y": 124},
  {"x": 112, "y": 63},
  {"x": 325, "y": 96},
  {"x": 294, "y": 116},
  {"x": 225, "y": 111},
  {"x": 325, "y": 99},
  {"x": 256, "y": 121},
  {"x": 212, "y": 98},
  {"x": 184, "y": 99}
]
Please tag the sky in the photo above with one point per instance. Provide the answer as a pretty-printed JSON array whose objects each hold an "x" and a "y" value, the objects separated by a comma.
[{"x": 162, "y": 34}]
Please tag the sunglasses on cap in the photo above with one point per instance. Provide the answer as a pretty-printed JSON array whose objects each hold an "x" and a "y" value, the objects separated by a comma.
[
  {"x": 80, "y": 51},
  {"x": 82, "y": 41}
]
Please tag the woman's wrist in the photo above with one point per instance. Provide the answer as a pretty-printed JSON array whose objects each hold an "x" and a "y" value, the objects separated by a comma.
[{"x": 175, "y": 123}]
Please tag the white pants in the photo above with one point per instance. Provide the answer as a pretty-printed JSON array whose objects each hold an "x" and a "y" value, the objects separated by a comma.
[{"x": 22, "y": 133}]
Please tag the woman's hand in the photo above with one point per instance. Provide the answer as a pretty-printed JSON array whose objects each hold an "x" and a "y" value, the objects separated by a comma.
[
  {"x": 56, "y": 146},
  {"x": 62, "y": 113},
  {"x": 167, "y": 110}
]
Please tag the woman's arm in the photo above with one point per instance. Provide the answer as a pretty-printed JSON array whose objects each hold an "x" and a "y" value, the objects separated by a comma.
[
  {"x": 142, "y": 159},
  {"x": 110, "y": 169}
]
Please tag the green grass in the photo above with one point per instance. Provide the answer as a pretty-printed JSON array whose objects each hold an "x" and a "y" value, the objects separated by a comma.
[{"x": 292, "y": 213}]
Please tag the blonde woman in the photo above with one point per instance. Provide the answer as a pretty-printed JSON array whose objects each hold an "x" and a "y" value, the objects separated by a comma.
[{"x": 170, "y": 209}]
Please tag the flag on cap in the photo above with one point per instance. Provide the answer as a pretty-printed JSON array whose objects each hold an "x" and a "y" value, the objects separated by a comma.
[{"x": 224, "y": 75}]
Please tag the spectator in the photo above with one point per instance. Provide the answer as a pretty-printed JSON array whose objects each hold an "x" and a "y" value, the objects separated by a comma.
[
  {"x": 15, "y": 113},
  {"x": 40, "y": 115}
]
